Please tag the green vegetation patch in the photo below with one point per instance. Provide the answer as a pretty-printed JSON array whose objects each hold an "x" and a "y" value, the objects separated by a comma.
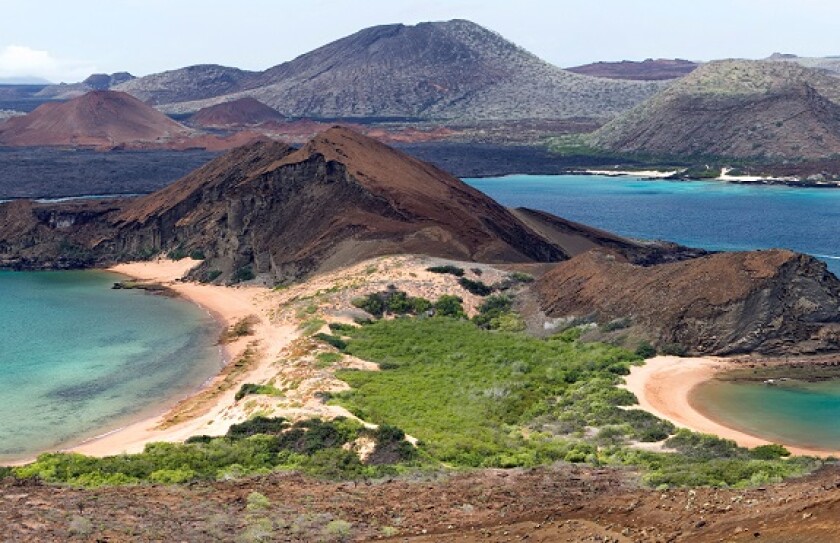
[
  {"x": 468, "y": 394},
  {"x": 477, "y": 398},
  {"x": 250, "y": 388},
  {"x": 259, "y": 445}
]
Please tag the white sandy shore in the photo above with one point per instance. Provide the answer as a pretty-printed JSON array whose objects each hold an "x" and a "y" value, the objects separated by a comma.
[
  {"x": 663, "y": 387},
  {"x": 631, "y": 173}
]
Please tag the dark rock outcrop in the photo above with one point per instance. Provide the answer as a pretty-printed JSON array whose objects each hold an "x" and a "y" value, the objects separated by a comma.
[{"x": 772, "y": 302}]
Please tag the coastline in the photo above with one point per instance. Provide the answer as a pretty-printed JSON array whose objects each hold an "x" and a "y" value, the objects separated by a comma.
[
  {"x": 663, "y": 386},
  {"x": 226, "y": 305}
]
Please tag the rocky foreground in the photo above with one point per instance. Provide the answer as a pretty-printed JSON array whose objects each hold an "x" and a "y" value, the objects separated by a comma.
[{"x": 563, "y": 503}]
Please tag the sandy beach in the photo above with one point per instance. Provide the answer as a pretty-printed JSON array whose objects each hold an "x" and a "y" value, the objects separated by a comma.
[
  {"x": 229, "y": 305},
  {"x": 630, "y": 173},
  {"x": 663, "y": 387}
]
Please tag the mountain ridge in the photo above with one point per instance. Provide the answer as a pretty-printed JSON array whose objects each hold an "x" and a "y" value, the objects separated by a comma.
[{"x": 432, "y": 70}]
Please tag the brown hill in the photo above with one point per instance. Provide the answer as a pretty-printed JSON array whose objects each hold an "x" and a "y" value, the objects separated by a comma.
[
  {"x": 341, "y": 198},
  {"x": 647, "y": 70},
  {"x": 97, "y": 119},
  {"x": 281, "y": 213},
  {"x": 764, "y": 301},
  {"x": 241, "y": 112},
  {"x": 740, "y": 109}
]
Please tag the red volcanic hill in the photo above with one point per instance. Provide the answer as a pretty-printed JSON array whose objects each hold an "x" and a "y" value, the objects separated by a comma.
[
  {"x": 96, "y": 119},
  {"x": 242, "y": 112}
]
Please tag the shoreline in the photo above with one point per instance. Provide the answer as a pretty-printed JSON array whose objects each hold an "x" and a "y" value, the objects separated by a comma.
[
  {"x": 664, "y": 385},
  {"x": 226, "y": 305}
]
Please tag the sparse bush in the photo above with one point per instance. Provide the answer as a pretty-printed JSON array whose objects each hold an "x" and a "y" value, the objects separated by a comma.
[
  {"x": 335, "y": 341},
  {"x": 250, "y": 388},
  {"x": 475, "y": 287},
  {"x": 645, "y": 350},
  {"x": 673, "y": 349},
  {"x": 245, "y": 273},
  {"x": 80, "y": 526},
  {"x": 257, "y": 502},
  {"x": 197, "y": 254},
  {"x": 338, "y": 530},
  {"x": 450, "y": 306},
  {"x": 450, "y": 269},
  {"x": 177, "y": 254}
]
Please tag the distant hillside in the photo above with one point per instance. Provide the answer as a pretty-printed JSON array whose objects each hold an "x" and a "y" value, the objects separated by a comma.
[
  {"x": 646, "y": 70},
  {"x": 760, "y": 109},
  {"x": 99, "y": 118},
  {"x": 65, "y": 91},
  {"x": 441, "y": 70},
  {"x": 236, "y": 113},
  {"x": 185, "y": 84},
  {"x": 830, "y": 65}
]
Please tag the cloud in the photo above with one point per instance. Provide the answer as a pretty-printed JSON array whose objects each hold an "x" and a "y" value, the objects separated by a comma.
[{"x": 21, "y": 61}]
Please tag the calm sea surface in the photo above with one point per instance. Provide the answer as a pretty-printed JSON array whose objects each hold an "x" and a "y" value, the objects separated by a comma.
[
  {"x": 794, "y": 412},
  {"x": 78, "y": 359},
  {"x": 708, "y": 214},
  {"x": 716, "y": 216}
]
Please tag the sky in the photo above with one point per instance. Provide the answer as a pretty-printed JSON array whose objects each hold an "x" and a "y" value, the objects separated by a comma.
[{"x": 63, "y": 40}]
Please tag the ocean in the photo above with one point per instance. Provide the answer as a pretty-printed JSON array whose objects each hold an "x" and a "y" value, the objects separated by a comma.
[
  {"x": 708, "y": 214},
  {"x": 78, "y": 359}
]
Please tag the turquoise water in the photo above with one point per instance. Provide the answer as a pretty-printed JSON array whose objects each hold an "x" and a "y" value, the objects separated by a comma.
[
  {"x": 795, "y": 413},
  {"x": 78, "y": 359},
  {"x": 708, "y": 214}
]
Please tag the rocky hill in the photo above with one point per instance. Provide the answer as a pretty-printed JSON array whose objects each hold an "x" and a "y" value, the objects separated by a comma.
[
  {"x": 773, "y": 110},
  {"x": 96, "y": 119},
  {"x": 236, "y": 113},
  {"x": 829, "y": 65},
  {"x": 439, "y": 70},
  {"x": 646, "y": 70},
  {"x": 184, "y": 84},
  {"x": 280, "y": 213},
  {"x": 65, "y": 91},
  {"x": 770, "y": 302}
]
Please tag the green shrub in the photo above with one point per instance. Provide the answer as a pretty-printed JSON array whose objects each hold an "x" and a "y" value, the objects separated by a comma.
[
  {"x": 245, "y": 273},
  {"x": 475, "y": 287},
  {"x": 645, "y": 350},
  {"x": 335, "y": 341},
  {"x": 450, "y": 306},
  {"x": 197, "y": 254},
  {"x": 250, "y": 388},
  {"x": 673, "y": 349},
  {"x": 177, "y": 254},
  {"x": 451, "y": 270},
  {"x": 338, "y": 530},
  {"x": 769, "y": 452}
]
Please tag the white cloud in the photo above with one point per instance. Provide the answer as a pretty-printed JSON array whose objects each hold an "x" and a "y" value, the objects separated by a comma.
[{"x": 23, "y": 61}]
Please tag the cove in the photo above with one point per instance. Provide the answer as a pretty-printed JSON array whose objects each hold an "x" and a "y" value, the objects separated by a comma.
[{"x": 78, "y": 359}]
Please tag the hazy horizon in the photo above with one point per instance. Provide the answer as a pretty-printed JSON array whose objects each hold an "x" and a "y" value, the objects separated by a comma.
[{"x": 66, "y": 42}]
